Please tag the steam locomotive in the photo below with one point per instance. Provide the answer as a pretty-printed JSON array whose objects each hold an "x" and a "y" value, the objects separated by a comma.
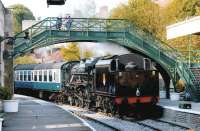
[{"x": 120, "y": 84}]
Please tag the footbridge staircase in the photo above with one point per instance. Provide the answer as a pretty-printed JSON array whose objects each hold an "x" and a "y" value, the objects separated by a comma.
[{"x": 119, "y": 31}]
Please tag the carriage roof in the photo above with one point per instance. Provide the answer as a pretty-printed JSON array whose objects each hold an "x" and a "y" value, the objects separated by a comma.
[{"x": 39, "y": 66}]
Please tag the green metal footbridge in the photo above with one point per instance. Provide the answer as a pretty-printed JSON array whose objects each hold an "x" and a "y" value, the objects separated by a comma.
[{"x": 119, "y": 31}]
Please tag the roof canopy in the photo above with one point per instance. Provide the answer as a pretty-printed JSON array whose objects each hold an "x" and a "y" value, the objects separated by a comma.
[{"x": 187, "y": 27}]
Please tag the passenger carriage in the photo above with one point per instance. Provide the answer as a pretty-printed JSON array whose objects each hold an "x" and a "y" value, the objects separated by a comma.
[{"x": 48, "y": 77}]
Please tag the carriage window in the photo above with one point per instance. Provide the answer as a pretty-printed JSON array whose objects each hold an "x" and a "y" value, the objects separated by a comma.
[
  {"x": 50, "y": 75},
  {"x": 32, "y": 75},
  {"x": 40, "y": 75},
  {"x": 57, "y": 76},
  {"x": 45, "y": 75},
  {"x": 35, "y": 76},
  {"x": 25, "y": 75},
  {"x": 29, "y": 75},
  {"x": 21, "y": 76},
  {"x": 54, "y": 76},
  {"x": 16, "y": 75}
]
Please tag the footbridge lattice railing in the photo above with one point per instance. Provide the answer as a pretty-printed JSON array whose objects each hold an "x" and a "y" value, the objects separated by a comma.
[{"x": 120, "y": 31}]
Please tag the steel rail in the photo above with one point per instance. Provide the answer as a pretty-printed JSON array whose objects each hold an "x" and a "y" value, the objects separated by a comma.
[{"x": 95, "y": 120}]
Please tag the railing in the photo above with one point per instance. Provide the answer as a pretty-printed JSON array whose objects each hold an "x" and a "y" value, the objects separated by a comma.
[
  {"x": 163, "y": 52},
  {"x": 154, "y": 42},
  {"x": 102, "y": 25},
  {"x": 99, "y": 25},
  {"x": 77, "y": 24}
]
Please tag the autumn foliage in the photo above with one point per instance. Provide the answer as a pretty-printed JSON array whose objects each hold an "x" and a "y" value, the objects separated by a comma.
[
  {"x": 148, "y": 15},
  {"x": 72, "y": 52}
]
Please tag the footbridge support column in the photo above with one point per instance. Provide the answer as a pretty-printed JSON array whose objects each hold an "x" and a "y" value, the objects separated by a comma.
[{"x": 166, "y": 79}]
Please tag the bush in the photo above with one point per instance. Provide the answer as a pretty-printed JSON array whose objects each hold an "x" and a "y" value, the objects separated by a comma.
[{"x": 5, "y": 93}]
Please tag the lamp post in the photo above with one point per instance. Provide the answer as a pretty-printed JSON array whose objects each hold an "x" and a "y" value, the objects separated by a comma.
[
  {"x": 7, "y": 60},
  {"x": 11, "y": 40},
  {"x": 55, "y": 2},
  {"x": 6, "y": 66}
]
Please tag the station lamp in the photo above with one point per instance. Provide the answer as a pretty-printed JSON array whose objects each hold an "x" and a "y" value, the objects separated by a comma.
[
  {"x": 7, "y": 54},
  {"x": 56, "y": 2}
]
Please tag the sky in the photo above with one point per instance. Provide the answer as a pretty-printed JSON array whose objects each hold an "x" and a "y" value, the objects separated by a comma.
[{"x": 39, "y": 7}]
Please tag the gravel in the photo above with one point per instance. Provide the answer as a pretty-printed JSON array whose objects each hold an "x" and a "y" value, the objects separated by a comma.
[
  {"x": 122, "y": 125},
  {"x": 162, "y": 125},
  {"x": 97, "y": 126}
]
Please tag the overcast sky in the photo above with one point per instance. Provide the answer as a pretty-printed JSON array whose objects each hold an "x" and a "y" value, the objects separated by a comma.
[{"x": 39, "y": 7}]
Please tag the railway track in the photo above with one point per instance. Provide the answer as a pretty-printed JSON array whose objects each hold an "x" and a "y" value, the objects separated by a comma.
[
  {"x": 149, "y": 126},
  {"x": 95, "y": 120},
  {"x": 126, "y": 124},
  {"x": 160, "y": 125},
  {"x": 174, "y": 124},
  {"x": 111, "y": 126}
]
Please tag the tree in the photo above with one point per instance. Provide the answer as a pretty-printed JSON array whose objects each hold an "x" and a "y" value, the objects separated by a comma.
[
  {"x": 147, "y": 15},
  {"x": 25, "y": 60},
  {"x": 143, "y": 13},
  {"x": 87, "y": 54},
  {"x": 72, "y": 52},
  {"x": 179, "y": 10},
  {"x": 20, "y": 12}
]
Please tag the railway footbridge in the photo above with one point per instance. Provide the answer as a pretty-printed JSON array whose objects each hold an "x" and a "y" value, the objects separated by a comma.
[{"x": 122, "y": 32}]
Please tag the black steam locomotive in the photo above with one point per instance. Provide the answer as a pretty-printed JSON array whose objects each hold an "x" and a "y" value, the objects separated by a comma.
[{"x": 117, "y": 84}]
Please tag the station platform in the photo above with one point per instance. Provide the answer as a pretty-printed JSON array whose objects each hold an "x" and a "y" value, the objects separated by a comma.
[
  {"x": 174, "y": 105},
  {"x": 186, "y": 117},
  {"x": 39, "y": 115}
]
